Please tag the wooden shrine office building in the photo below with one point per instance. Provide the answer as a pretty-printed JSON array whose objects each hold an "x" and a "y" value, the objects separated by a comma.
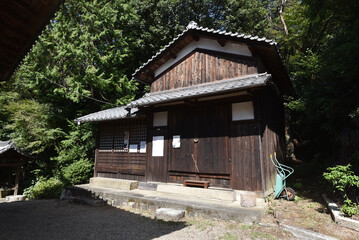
[{"x": 214, "y": 113}]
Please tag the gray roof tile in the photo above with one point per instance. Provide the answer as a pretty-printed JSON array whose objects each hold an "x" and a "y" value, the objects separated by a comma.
[
  {"x": 108, "y": 114},
  {"x": 7, "y": 145},
  {"x": 193, "y": 25},
  {"x": 216, "y": 87}
]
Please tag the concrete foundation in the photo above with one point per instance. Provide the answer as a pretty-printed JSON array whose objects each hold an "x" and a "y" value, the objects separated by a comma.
[
  {"x": 226, "y": 195},
  {"x": 121, "y": 184},
  {"x": 194, "y": 206}
]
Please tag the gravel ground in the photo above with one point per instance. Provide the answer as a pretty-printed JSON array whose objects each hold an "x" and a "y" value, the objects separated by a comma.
[{"x": 55, "y": 219}]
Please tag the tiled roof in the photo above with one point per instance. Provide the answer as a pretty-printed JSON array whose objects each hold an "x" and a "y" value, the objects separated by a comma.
[
  {"x": 204, "y": 89},
  {"x": 7, "y": 145},
  {"x": 108, "y": 114},
  {"x": 193, "y": 26}
]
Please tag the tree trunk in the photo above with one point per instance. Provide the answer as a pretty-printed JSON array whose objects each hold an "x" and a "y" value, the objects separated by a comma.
[{"x": 281, "y": 9}]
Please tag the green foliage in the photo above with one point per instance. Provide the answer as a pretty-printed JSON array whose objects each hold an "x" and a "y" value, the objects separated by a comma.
[
  {"x": 30, "y": 126},
  {"x": 45, "y": 189},
  {"x": 77, "y": 172},
  {"x": 343, "y": 180},
  {"x": 75, "y": 155},
  {"x": 349, "y": 208}
]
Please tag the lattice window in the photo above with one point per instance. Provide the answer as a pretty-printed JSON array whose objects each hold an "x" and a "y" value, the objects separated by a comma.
[
  {"x": 106, "y": 141},
  {"x": 119, "y": 135},
  {"x": 138, "y": 135},
  {"x": 118, "y": 140}
]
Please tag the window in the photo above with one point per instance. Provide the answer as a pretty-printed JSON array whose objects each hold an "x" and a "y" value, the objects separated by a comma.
[
  {"x": 118, "y": 136},
  {"x": 242, "y": 111},
  {"x": 138, "y": 135},
  {"x": 105, "y": 142},
  {"x": 160, "y": 119}
]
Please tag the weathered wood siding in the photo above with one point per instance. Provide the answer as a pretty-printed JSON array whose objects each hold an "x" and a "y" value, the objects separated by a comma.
[
  {"x": 157, "y": 167},
  {"x": 203, "y": 130},
  {"x": 202, "y": 66},
  {"x": 246, "y": 168},
  {"x": 271, "y": 114},
  {"x": 113, "y": 161}
]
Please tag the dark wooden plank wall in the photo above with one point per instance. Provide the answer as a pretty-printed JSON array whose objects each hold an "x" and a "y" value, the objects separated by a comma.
[
  {"x": 272, "y": 132},
  {"x": 157, "y": 167},
  {"x": 246, "y": 166},
  {"x": 120, "y": 164},
  {"x": 208, "y": 123},
  {"x": 203, "y": 66}
]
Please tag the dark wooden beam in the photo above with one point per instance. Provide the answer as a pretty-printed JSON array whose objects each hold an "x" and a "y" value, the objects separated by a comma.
[
  {"x": 8, "y": 43},
  {"x": 172, "y": 55},
  {"x": 24, "y": 6},
  {"x": 14, "y": 18},
  {"x": 195, "y": 37},
  {"x": 8, "y": 52},
  {"x": 149, "y": 74},
  {"x": 253, "y": 51},
  {"x": 18, "y": 33},
  {"x": 191, "y": 102},
  {"x": 221, "y": 42}
]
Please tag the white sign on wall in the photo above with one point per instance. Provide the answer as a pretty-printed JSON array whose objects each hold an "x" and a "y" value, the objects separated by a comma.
[
  {"x": 133, "y": 148},
  {"x": 176, "y": 142},
  {"x": 157, "y": 146},
  {"x": 242, "y": 111},
  {"x": 143, "y": 147},
  {"x": 159, "y": 119}
]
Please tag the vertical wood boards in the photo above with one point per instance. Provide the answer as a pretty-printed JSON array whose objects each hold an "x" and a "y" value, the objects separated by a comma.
[
  {"x": 119, "y": 162},
  {"x": 271, "y": 113},
  {"x": 203, "y": 140},
  {"x": 157, "y": 167},
  {"x": 183, "y": 124},
  {"x": 245, "y": 152},
  {"x": 202, "y": 66},
  {"x": 228, "y": 153}
]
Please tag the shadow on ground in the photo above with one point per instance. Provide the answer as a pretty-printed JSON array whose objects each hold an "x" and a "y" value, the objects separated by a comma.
[{"x": 55, "y": 219}]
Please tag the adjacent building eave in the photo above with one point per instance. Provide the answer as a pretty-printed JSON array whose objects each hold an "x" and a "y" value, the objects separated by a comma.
[
  {"x": 109, "y": 114},
  {"x": 8, "y": 145}
]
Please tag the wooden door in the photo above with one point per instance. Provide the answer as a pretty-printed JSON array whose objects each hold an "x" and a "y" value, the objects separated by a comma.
[
  {"x": 212, "y": 147},
  {"x": 204, "y": 140},
  {"x": 183, "y": 124},
  {"x": 157, "y": 170}
]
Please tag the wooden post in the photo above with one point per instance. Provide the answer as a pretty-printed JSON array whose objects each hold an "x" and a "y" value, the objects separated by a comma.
[
  {"x": 17, "y": 178},
  {"x": 95, "y": 163}
]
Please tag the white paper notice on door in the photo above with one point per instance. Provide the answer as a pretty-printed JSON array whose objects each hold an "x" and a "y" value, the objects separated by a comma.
[
  {"x": 133, "y": 148},
  {"x": 143, "y": 147},
  {"x": 176, "y": 142},
  {"x": 157, "y": 146}
]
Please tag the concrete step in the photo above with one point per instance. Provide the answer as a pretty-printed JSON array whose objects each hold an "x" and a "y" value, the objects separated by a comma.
[
  {"x": 219, "y": 194},
  {"x": 121, "y": 184},
  {"x": 150, "y": 201},
  {"x": 87, "y": 201}
]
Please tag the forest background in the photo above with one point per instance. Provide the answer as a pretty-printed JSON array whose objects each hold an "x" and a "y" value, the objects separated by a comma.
[{"x": 83, "y": 61}]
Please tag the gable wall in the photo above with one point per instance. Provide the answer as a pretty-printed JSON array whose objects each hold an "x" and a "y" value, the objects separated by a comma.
[{"x": 203, "y": 66}]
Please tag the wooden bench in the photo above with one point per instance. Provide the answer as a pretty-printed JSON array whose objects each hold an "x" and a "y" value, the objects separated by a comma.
[{"x": 196, "y": 183}]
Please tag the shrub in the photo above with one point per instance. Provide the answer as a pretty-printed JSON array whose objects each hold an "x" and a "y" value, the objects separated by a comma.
[
  {"x": 343, "y": 181},
  {"x": 342, "y": 178},
  {"x": 77, "y": 172},
  {"x": 45, "y": 189}
]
